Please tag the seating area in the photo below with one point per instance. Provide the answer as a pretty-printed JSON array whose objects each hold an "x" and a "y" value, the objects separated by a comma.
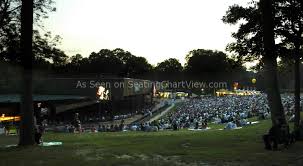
[{"x": 233, "y": 111}]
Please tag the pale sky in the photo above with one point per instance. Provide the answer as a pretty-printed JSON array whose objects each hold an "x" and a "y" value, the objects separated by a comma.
[{"x": 155, "y": 29}]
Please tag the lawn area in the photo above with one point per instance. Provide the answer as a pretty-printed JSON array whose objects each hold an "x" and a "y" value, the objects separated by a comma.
[{"x": 236, "y": 147}]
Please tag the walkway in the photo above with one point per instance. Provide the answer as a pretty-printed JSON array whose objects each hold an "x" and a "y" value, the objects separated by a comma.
[{"x": 162, "y": 113}]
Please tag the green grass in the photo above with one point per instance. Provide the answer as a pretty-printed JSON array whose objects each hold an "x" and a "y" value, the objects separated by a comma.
[{"x": 213, "y": 147}]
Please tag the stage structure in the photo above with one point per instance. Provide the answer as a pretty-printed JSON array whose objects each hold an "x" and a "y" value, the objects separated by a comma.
[{"x": 59, "y": 97}]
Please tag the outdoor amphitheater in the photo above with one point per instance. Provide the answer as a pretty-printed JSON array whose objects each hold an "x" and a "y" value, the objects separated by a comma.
[
  {"x": 151, "y": 83},
  {"x": 143, "y": 125}
]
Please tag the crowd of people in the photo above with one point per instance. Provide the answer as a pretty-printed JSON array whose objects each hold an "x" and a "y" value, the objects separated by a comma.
[
  {"x": 192, "y": 114},
  {"x": 94, "y": 123},
  {"x": 233, "y": 111},
  {"x": 230, "y": 110}
]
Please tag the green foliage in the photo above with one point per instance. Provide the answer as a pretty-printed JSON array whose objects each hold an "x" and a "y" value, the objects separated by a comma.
[
  {"x": 199, "y": 61},
  {"x": 76, "y": 60},
  {"x": 171, "y": 65},
  {"x": 132, "y": 65},
  {"x": 288, "y": 20},
  {"x": 44, "y": 45},
  {"x": 289, "y": 16},
  {"x": 248, "y": 45},
  {"x": 114, "y": 62}
]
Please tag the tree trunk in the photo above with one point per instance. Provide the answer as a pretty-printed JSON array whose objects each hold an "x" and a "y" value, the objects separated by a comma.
[
  {"x": 27, "y": 121},
  {"x": 270, "y": 64},
  {"x": 297, "y": 88}
]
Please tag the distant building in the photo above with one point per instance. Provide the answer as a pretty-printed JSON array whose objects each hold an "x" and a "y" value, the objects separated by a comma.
[
  {"x": 61, "y": 96},
  {"x": 239, "y": 92}
]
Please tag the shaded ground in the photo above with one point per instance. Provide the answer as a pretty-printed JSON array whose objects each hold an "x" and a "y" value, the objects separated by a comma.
[{"x": 237, "y": 147}]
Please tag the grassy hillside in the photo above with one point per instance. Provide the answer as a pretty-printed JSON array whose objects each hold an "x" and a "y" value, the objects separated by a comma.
[{"x": 213, "y": 147}]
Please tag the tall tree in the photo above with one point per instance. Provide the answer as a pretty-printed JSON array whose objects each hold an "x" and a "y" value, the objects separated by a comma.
[
  {"x": 170, "y": 65},
  {"x": 201, "y": 60},
  {"x": 44, "y": 45},
  {"x": 290, "y": 32},
  {"x": 270, "y": 62},
  {"x": 76, "y": 59},
  {"x": 103, "y": 62},
  {"x": 133, "y": 66},
  {"x": 170, "y": 69},
  {"x": 248, "y": 45},
  {"x": 27, "y": 121},
  {"x": 136, "y": 67},
  {"x": 255, "y": 40}
]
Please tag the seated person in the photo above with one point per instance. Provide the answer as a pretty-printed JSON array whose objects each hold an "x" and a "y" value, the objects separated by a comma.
[
  {"x": 204, "y": 124},
  {"x": 112, "y": 128},
  {"x": 99, "y": 128},
  {"x": 175, "y": 126},
  {"x": 238, "y": 123},
  {"x": 121, "y": 126},
  {"x": 108, "y": 128},
  {"x": 134, "y": 128},
  {"x": 7, "y": 128},
  {"x": 230, "y": 125},
  {"x": 217, "y": 120},
  {"x": 71, "y": 128},
  {"x": 116, "y": 128},
  {"x": 261, "y": 116},
  {"x": 93, "y": 129},
  {"x": 243, "y": 122},
  {"x": 278, "y": 134},
  {"x": 196, "y": 125}
]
